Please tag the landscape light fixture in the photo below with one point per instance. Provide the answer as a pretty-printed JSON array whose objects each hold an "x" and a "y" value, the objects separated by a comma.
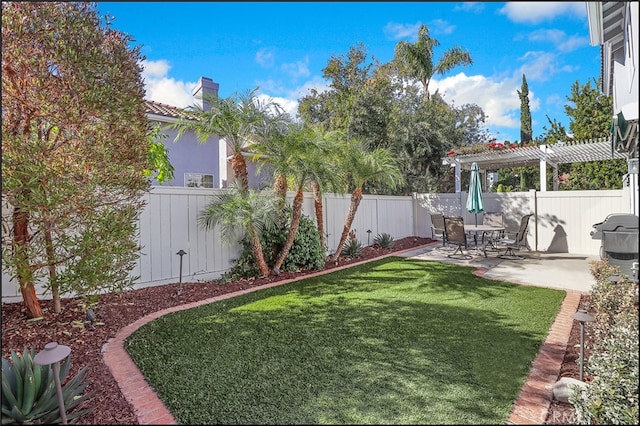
[
  {"x": 368, "y": 236},
  {"x": 181, "y": 253},
  {"x": 582, "y": 316},
  {"x": 52, "y": 355}
]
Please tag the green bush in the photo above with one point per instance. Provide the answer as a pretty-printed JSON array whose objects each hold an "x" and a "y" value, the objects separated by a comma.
[
  {"x": 29, "y": 393},
  {"x": 383, "y": 240},
  {"x": 611, "y": 396},
  {"x": 305, "y": 254}
]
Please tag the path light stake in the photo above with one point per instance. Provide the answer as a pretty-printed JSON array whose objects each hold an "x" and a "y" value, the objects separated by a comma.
[
  {"x": 53, "y": 354},
  {"x": 368, "y": 236},
  {"x": 582, "y": 316},
  {"x": 180, "y": 253}
]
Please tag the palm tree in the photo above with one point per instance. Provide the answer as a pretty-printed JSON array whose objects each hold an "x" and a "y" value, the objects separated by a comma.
[
  {"x": 236, "y": 210},
  {"x": 415, "y": 60},
  {"x": 335, "y": 181},
  {"x": 242, "y": 120},
  {"x": 305, "y": 164},
  {"x": 378, "y": 166}
]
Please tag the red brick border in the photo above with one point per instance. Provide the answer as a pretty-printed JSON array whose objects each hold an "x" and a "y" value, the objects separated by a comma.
[{"x": 531, "y": 407}]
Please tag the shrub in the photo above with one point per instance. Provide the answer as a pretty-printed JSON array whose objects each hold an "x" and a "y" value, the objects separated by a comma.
[
  {"x": 612, "y": 394},
  {"x": 305, "y": 254},
  {"x": 29, "y": 394},
  {"x": 383, "y": 240}
]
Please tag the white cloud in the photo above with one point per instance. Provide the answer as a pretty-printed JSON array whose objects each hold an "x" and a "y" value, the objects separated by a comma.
[
  {"x": 155, "y": 69},
  {"x": 573, "y": 43},
  {"x": 290, "y": 106},
  {"x": 399, "y": 31},
  {"x": 264, "y": 57},
  {"x": 297, "y": 69},
  {"x": 536, "y": 12},
  {"x": 558, "y": 38},
  {"x": 539, "y": 66},
  {"x": 439, "y": 26},
  {"x": 497, "y": 98},
  {"x": 289, "y": 97},
  {"x": 318, "y": 83},
  {"x": 469, "y": 6},
  {"x": 161, "y": 88}
]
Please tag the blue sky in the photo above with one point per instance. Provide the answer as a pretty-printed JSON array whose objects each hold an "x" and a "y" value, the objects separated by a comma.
[{"x": 282, "y": 47}]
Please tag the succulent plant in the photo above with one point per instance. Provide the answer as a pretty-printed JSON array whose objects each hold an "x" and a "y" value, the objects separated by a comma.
[
  {"x": 352, "y": 248},
  {"x": 383, "y": 240},
  {"x": 29, "y": 391}
]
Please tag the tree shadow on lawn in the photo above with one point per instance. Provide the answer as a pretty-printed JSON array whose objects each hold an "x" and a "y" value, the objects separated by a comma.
[{"x": 317, "y": 352}]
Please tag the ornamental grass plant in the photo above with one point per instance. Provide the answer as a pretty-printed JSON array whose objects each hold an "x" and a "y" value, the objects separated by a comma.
[{"x": 393, "y": 341}]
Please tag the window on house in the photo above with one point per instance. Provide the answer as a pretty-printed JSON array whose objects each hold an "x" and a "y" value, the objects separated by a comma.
[{"x": 198, "y": 180}]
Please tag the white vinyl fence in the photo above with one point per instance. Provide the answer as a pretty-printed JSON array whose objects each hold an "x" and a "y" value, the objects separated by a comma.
[{"x": 562, "y": 223}]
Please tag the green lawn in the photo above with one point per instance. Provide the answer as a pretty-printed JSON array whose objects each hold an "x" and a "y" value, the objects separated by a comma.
[{"x": 396, "y": 340}]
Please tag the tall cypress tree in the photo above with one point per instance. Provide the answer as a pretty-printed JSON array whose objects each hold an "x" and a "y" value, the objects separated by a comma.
[
  {"x": 525, "y": 113},
  {"x": 525, "y": 124}
]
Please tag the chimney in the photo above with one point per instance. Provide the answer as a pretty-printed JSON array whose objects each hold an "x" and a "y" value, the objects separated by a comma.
[{"x": 205, "y": 87}]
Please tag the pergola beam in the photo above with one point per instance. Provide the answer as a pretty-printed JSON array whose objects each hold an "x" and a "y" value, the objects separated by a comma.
[{"x": 560, "y": 153}]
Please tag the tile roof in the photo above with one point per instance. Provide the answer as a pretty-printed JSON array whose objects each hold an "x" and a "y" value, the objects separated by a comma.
[{"x": 153, "y": 107}]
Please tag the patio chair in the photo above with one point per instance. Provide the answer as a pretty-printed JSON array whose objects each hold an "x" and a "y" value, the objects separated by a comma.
[
  {"x": 511, "y": 245},
  {"x": 492, "y": 219},
  {"x": 437, "y": 227},
  {"x": 454, "y": 227}
]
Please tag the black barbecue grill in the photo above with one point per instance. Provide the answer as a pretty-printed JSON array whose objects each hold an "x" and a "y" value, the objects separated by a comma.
[{"x": 619, "y": 236}]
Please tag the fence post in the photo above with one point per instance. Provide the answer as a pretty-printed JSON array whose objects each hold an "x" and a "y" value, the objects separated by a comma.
[{"x": 534, "y": 193}]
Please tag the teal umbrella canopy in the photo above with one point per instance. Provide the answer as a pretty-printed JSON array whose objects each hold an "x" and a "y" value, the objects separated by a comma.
[{"x": 474, "y": 199}]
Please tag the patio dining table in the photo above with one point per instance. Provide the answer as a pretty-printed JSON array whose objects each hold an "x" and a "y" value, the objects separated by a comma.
[{"x": 475, "y": 229}]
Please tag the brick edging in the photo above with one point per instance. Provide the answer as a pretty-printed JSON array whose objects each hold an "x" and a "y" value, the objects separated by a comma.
[{"x": 534, "y": 400}]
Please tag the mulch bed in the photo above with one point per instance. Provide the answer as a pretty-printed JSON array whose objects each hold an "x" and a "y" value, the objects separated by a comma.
[{"x": 114, "y": 311}]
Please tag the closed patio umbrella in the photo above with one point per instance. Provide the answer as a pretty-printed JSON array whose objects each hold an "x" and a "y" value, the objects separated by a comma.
[{"x": 474, "y": 199}]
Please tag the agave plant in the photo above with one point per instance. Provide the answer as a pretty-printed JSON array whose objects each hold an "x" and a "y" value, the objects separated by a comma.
[
  {"x": 352, "y": 248},
  {"x": 383, "y": 240},
  {"x": 29, "y": 391}
]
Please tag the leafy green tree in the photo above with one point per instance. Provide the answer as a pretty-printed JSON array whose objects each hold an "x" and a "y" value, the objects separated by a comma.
[
  {"x": 416, "y": 60},
  {"x": 161, "y": 167},
  {"x": 367, "y": 101},
  {"x": 422, "y": 134},
  {"x": 74, "y": 157},
  {"x": 591, "y": 119},
  {"x": 355, "y": 99},
  {"x": 470, "y": 123},
  {"x": 365, "y": 166}
]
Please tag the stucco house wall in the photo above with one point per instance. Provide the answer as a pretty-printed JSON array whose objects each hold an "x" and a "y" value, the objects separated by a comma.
[{"x": 194, "y": 161}]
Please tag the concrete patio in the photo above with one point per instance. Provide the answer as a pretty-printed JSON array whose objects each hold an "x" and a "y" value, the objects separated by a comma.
[{"x": 554, "y": 270}]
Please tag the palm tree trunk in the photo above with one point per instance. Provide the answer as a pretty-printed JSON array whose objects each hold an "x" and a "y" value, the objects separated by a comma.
[
  {"x": 239, "y": 166},
  {"x": 25, "y": 278},
  {"x": 258, "y": 254},
  {"x": 280, "y": 189},
  {"x": 317, "y": 202},
  {"x": 356, "y": 197},
  {"x": 296, "y": 214}
]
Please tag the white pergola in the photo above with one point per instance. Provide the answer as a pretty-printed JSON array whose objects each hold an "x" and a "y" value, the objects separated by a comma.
[{"x": 560, "y": 153}]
